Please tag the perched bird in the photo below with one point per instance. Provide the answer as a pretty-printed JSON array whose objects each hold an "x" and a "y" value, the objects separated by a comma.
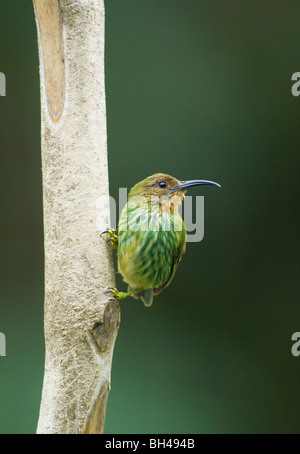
[{"x": 151, "y": 235}]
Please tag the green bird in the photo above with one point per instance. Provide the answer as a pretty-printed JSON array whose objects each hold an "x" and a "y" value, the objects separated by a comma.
[{"x": 151, "y": 235}]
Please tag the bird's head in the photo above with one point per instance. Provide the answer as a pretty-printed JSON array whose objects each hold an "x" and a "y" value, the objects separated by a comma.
[{"x": 165, "y": 187}]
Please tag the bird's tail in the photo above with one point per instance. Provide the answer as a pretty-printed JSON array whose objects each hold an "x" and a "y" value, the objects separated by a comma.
[{"x": 146, "y": 296}]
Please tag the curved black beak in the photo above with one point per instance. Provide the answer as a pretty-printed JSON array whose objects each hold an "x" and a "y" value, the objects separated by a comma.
[{"x": 190, "y": 183}]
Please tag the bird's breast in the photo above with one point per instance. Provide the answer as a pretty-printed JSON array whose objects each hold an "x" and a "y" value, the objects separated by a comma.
[{"x": 147, "y": 242}]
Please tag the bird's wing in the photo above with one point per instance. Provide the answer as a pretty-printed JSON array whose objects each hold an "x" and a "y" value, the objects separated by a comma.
[{"x": 178, "y": 252}]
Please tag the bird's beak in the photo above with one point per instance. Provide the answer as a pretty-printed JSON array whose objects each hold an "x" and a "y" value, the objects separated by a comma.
[{"x": 187, "y": 184}]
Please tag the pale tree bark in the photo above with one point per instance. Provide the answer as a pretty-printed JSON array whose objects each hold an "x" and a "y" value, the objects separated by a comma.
[{"x": 81, "y": 322}]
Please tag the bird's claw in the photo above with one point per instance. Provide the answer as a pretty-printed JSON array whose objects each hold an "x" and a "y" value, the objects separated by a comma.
[
  {"x": 113, "y": 237},
  {"x": 107, "y": 231},
  {"x": 111, "y": 292},
  {"x": 115, "y": 292}
]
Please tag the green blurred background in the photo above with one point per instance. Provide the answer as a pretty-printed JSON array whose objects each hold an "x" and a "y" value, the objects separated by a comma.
[{"x": 197, "y": 89}]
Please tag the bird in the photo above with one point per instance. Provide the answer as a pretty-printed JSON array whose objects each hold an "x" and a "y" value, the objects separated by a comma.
[{"x": 151, "y": 236}]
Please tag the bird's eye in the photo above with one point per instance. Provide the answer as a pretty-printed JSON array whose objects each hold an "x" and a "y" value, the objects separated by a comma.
[{"x": 162, "y": 184}]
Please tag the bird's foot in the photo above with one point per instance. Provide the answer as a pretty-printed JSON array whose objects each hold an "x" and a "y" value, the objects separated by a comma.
[
  {"x": 118, "y": 295},
  {"x": 113, "y": 237}
]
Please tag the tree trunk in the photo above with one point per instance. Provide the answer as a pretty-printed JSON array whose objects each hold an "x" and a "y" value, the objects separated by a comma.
[{"x": 81, "y": 322}]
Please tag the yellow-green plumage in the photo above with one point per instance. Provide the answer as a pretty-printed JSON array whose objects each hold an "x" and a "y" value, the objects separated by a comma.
[
  {"x": 148, "y": 259},
  {"x": 151, "y": 236}
]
